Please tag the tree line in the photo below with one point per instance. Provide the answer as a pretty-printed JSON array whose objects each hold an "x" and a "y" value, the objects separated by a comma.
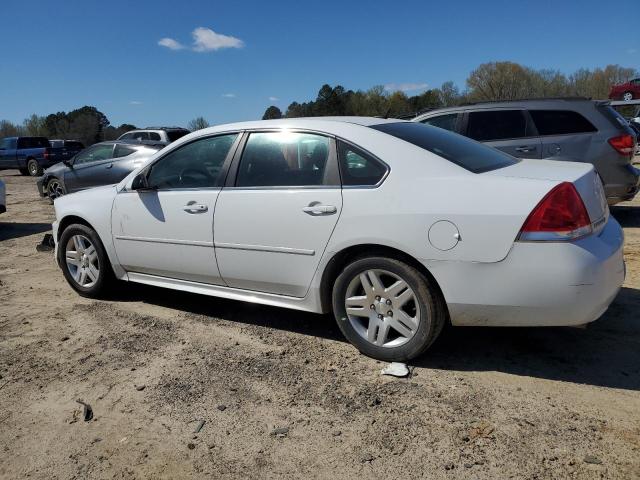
[{"x": 489, "y": 82}]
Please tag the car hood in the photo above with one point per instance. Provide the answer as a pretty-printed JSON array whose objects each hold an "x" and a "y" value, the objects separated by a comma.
[{"x": 56, "y": 168}]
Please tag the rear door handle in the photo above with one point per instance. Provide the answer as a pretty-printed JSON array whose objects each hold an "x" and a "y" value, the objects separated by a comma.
[
  {"x": 525, "y": 149},
  {"x": 195, "y": 208},
  {"x": 320, "y": 210}
]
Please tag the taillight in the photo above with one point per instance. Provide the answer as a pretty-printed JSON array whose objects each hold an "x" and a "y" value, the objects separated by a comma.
[
  {"x": 45, "y": 154},
  {"x": 624, "y": 144},
  {"x": 560, "y": 216}
]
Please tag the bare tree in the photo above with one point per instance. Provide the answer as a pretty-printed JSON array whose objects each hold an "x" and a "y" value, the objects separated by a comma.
[{"x": 197, "y": 123}]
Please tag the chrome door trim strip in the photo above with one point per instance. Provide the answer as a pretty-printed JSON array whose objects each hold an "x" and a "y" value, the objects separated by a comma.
[
  {"x": 163, "y": 240},
  {"x": 262, "y": 248}
]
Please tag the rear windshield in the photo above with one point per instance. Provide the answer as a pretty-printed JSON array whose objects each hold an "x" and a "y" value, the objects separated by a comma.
[
  {"x": 462, "y": 151},
  {"x": 176, "y": 134}
]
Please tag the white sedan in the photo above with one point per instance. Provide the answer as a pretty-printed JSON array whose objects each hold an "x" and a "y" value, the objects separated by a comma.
[{"x": 395, "y": 227}]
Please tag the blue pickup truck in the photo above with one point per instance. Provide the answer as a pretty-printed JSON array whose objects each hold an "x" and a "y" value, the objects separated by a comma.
[{"x": 31, "y": 155}]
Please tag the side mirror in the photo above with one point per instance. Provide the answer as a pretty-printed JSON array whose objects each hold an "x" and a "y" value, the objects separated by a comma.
[{"x": 140, "y": 182}]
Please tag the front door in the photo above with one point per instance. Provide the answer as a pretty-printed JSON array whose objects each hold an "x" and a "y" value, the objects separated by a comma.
[
  {"x": 273, "y": 223},
  {"x": 90, "y": 168},
  {"x": 167, "y": 230}
]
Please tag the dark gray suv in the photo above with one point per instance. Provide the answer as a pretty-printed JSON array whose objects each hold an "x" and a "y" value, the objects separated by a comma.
[{"x": 576, "y": 130}]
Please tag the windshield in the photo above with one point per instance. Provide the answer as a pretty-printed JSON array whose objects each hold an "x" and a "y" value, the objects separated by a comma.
[{"x": 462, "y": 151}]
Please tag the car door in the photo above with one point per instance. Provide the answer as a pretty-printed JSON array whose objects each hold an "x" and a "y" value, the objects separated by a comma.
[
  {"x": 565, "y": 134},
  {"x": 509, "y": 130},
  {"x": 277, "y": 212},
  {"x": 8, "y": 153},
  {"x": 89, "y": 168},
  {"x": 166, "y": 229}
]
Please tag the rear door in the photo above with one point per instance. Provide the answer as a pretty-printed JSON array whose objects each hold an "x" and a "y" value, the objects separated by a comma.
[
  {"x": 509, "y": 130},
  {"x": 275, "y": 217},
  {"x": 565, "y": 134}
]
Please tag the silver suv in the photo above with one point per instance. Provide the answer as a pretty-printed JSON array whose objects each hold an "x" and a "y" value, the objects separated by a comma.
[
  {"x": 576, "y": 129},
  {"x": 158, "y": 135}
]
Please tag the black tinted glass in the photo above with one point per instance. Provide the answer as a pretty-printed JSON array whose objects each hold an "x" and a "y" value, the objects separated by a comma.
[
  {"x": 33, "y": 142},
  {"x": 448, "y": 122},
  {"x": 195, "y": 165},
  {"x": 176, "y": 134},
  {"x": 359, "y": 168},
  {"x": 473, "y": 156},
  {"x": 496, "y": 125},
  {"x": 560, "y": 122},
  {"x": 122, "y": 151}
]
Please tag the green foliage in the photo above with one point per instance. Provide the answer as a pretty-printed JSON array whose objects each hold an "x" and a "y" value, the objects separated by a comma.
[
  {"x": 272, "y": 113},
  {"x": 197, "y": 123}
]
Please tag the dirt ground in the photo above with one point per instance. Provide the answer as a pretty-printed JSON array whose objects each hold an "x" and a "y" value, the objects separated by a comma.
[{"x": 283, "y": 395}]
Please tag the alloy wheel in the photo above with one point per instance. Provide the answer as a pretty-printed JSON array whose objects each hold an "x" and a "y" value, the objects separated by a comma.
[
  {"x": 82, "y": 261},
  {"x": 382, "y": 308},
  {"x": 54, "y": 189},
  {"x": 627, "y": 96},
  {"x": 33, "y": 168}
]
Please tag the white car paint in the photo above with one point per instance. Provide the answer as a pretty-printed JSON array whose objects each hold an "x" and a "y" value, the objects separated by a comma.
[{"x": 259, "y": 246}]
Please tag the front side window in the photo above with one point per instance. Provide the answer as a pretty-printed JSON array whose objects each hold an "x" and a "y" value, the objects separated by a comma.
[
  {"x": 6, "y": 144},
  {"x": 141, "y": 136},
  {"x": 359, "y": 168},
  {"x": 198, "y": 164},
  {"x": 448, "y": 122},
  {"x": 466, "y": 153},
  {"x": 94, "y": 154},
  {"x": 496, "y": 125},
  {"x": 126, "y": 136},
  {"x": 277, "y": 159},
  {"x": 154, "y": 136},
  {"x": 560, "y": 122}
]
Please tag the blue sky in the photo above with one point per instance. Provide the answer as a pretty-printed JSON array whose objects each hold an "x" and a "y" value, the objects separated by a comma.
[{"x": 60, "y": 55}]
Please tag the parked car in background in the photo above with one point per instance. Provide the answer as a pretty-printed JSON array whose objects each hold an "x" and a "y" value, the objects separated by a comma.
[
  {"x": 164, "y": 135},
  {"x": 3, "y": 197},
  {"x": 101, "y": 164},
  {"x": 69, "y": 144},
  {"x": 626, "y": 91},
  {"x": 396, "y": 227},
  {"x": 31, "y": 155},
  {"x": 576, "y": 130}
]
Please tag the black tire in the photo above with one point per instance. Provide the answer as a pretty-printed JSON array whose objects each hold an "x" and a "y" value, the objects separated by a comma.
[
  {"x": 34, "y": 168},
  {"x": 432, "y": 309},
  {"x": 24, "y": 171},
  {"x": 53, "y": 181},
  {"x": 101, "y": 287}
]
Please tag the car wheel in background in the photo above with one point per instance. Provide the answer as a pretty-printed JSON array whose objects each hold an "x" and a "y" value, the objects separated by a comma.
[
  {"x": 627, "y": 96},
  {"x": 34, "y": 168},
  {"x": 387, "y": 309},
  {"x": 55, "y": 189},
  {"x": 84, "y": 262}
]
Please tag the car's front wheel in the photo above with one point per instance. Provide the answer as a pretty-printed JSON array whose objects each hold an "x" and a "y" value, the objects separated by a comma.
[
  {"x": 387, "y": 309},
  {"x": 55, "y": 188},
  {"x": 84, "y": 262}
]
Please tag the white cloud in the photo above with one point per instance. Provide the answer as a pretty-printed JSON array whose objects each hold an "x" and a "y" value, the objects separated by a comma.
[
  {"x": 405, "y": 87},
  {"x": 135, "y": 102},
  {"x": 229, "y": 95},
  {"x": 273, "y": 99},
  {"x": 170, "y": 43},
  {"x": 206, "y": 40},
  {"x": 632, "y": 51}
]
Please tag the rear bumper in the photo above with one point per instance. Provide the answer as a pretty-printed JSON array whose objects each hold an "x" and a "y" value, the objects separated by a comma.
[
  {"x": 622, "y": 192},
  {"x": 538, "y": 284}
]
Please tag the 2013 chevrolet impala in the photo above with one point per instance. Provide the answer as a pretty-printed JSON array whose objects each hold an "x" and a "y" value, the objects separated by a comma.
[{"x": 396, "y": 227}]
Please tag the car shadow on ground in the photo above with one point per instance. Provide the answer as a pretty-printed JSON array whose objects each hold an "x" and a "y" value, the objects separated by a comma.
[
  {"x": 10, "y": 230},
  {"x": 627, "y": 216},
  {"x": 606, "y": 353}
]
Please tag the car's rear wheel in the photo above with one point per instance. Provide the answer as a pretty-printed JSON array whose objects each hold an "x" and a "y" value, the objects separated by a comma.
[
  {"x": 55, "y": 188},
  {"x": 387, "y": 309},
  {"x": 626, "y": 96},
  {"x": 34, "y": 168},
  {"x": 84, "y": 262}
]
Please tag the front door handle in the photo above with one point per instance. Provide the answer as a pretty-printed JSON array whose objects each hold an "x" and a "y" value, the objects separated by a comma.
[
  {"x": 193, "y": 207},
  {"x": 109, "y": 166},
  {"x": 320, "y": 209},
  {"x": 525, "y": 149}
]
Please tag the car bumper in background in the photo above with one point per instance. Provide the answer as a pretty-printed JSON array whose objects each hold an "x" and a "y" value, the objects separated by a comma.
[
  {"x": 538, "y": 283},
  {"x": 622, "y": 192}
]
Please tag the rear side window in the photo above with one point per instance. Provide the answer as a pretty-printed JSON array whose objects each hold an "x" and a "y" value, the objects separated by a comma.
[
  {"x": 448, "y": 122},
  {"x": 74, "y": 145},
  {"x": 466, "y": 153},
  {"x": 560, "y": 122},
  {"x": 357, "y": 168},
  {"x": 122, "y": 151},
  {"x": 33, "y": 142},
  {"x": 484, "y": 126},
  {"x": 154, "y": 136},
  {"x": 274, "y": 159}
]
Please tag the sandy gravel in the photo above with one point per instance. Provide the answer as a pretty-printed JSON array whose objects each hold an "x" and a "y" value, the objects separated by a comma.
[{"x": 281, "y": 393}]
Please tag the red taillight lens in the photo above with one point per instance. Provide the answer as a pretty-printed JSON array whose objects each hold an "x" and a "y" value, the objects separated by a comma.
[
  {"x": 624, "y": 144},
  {"x": 45, "y": 154},
  {"x": 560, "y": 215}
]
